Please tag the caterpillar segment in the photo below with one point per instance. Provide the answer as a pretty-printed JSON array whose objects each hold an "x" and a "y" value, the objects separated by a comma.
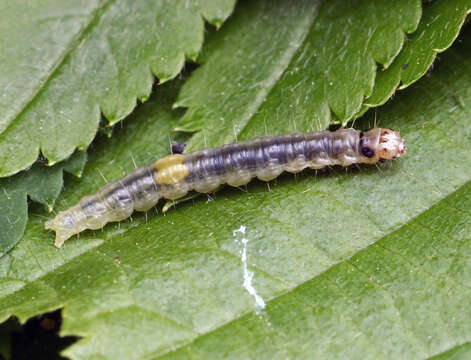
[{"x": 235, "y": 164}]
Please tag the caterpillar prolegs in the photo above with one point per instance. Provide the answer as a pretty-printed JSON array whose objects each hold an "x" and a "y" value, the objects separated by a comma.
[{"x": 173, "y": 176}]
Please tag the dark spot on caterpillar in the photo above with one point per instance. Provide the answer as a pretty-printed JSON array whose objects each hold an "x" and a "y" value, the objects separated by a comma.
[
  {"x": 178, "y": 147},
  {"x": 405, "y": 66},
  {"x": 361, "y": 134},
  {"x": 383, "y": 135},
  {"x": 365, "y": 150}
]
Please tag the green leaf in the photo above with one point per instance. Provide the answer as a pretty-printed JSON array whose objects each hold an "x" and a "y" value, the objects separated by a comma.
[
  {"x": 439, "y": 27},
  {"x": 42, "y": 184},
  {"x": 404, "y": 297},
  {"x": 55, "y": 25},
  {"x": 367, "y": 264},
  {"x": 457, "y": 353},
  {"x": 323, "y": 60},
  {"x": 67, "y": 60}
]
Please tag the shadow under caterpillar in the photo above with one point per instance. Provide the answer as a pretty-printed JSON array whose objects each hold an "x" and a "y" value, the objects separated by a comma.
[{"x": 173, "y": 176}]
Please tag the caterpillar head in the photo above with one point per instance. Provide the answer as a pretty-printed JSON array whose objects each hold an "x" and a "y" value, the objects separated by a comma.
[
  {"x": 64, "y": 224},
  {"x": 391, "y": 145},
  {"x": 377, "y": 144}
]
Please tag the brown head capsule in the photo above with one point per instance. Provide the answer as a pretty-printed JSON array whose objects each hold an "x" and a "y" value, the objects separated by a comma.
[
  {"x": 378, "y": 143},
  {"x": 391, "y": 145}
]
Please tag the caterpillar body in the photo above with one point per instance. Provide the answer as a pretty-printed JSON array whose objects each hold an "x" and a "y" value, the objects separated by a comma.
[{"x": 173, "y": 176}]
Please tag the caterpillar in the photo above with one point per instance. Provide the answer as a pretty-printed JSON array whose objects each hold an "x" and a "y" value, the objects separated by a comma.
[{"x": 173, "y": 176}]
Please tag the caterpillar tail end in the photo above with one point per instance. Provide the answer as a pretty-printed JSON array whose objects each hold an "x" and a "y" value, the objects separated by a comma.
[{"x": 61, "y": 225}]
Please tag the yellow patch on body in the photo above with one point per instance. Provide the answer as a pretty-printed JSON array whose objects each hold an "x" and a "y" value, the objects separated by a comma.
[{"x": 171, "y": 169}]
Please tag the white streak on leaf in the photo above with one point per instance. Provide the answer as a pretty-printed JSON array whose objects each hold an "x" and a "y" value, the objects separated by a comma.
[{"x": 248, "y": 275}]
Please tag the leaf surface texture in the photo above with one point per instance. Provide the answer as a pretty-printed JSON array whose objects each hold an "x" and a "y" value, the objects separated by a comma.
[{"x": 361, "y": 264}]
